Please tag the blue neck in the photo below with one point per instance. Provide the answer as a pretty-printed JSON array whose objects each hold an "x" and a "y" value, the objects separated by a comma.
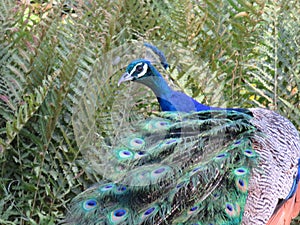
[
  {"x": 158, "y": 85},
  {"x": 168, "y": 106},
  {"x": 171, "y": 100}
]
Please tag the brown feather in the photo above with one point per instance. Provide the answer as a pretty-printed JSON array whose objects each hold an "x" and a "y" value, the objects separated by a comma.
[
  {"x": 296, "y": 209},
  {"x": 289, "y": 210}
]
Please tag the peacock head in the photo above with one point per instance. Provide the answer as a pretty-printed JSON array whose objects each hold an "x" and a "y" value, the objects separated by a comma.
[{"x": 139, "y": 70}]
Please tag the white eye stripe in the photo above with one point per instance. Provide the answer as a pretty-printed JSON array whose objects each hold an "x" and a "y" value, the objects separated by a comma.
[
  {"x": 145, "y": 68},
  {"x": 134, "y": 68}
]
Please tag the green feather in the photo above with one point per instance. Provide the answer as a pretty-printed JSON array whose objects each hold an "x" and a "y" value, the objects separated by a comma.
[{"x": 180, "y": 168}]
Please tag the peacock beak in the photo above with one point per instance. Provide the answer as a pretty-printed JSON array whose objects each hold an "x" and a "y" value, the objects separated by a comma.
[{"x": 125, "y": 77}]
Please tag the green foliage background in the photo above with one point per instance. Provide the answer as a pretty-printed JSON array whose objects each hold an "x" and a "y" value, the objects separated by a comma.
[{"x": 248, "y": 53}]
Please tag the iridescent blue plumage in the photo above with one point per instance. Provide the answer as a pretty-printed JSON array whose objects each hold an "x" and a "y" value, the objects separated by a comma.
[
  {"x": 194, "y": 164},
  {"x": 177, "y": 177},
  {"x": 142, "y": 71}
]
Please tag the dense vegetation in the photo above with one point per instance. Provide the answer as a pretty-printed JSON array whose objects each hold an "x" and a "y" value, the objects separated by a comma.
[{"x": 56, "y": 55}]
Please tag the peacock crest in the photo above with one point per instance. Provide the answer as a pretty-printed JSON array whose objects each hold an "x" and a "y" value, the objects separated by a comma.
[{"x": 189, "y": 164}]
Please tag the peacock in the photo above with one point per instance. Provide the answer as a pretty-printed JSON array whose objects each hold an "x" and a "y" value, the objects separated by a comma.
[{"x": 195, "y": 164}]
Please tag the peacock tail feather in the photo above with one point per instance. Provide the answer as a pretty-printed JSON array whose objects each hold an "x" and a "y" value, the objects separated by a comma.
[
  {"x": 192, "y": 164},
  {"x": 181, "y": 168}
]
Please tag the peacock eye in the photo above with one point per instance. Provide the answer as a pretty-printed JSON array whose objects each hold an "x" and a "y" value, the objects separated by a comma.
[{"x": 139, "y": 68}]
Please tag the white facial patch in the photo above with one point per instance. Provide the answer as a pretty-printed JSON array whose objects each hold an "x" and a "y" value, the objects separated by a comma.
[{"x": 143, "y": 72}]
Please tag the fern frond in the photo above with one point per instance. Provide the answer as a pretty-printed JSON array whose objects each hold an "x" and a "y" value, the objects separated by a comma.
[{"x": 274, "y": 73}]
